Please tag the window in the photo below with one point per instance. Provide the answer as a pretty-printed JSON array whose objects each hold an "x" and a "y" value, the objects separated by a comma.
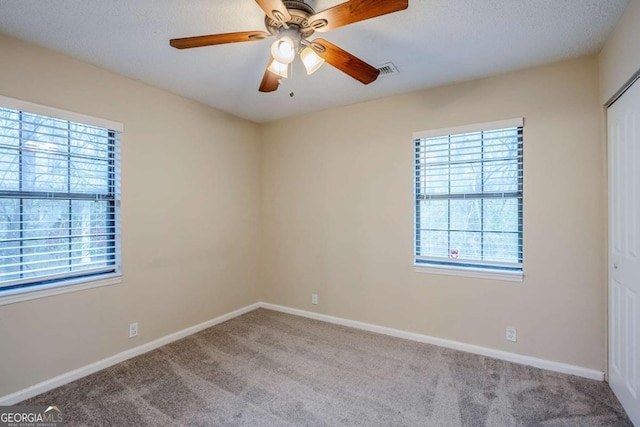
[
  {"x": 468, "y": 198},
  {"x": 59, "y": 199}
]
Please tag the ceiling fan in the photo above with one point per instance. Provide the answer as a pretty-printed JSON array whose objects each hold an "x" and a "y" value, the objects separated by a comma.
[{"x": 292, "y": 22}]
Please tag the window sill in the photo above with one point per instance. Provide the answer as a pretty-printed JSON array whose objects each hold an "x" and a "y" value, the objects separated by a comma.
[
  {"x": 71, "y": 285},
  {"x": 478, "y": 273}
]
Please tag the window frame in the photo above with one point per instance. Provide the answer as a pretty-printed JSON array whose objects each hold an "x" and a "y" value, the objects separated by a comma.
[
  {"x": 42, "y": 287},
  {"x": 465, "y": 268}
]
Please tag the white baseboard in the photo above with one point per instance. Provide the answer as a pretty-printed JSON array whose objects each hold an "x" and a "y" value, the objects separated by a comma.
[
  {"x": 469, "y": 348},
  {"x": 67, "y": 377}
]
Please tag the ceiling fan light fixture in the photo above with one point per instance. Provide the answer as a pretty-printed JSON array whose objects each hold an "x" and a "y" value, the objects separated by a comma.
[
  {"x": 283, "y": 50},
  {"x": 312, "y": 62},
  {"x": 292, "y": 22},
  {"x": 279, "y": 69}
]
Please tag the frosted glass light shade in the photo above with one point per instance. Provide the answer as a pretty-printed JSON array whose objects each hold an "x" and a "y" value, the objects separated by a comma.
[
  {"x": 279, "y": 68},
  {"x": 312, "y": 62},
  {"x": 283, "y": 50}
]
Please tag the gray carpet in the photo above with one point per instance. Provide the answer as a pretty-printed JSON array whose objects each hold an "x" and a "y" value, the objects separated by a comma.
[{"x": 271, "y": 369}]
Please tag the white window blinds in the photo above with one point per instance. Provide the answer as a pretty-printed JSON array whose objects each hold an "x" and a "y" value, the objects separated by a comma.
[
  {"x": 468, "y": 196},
  {"x": 59, "y": 199}
]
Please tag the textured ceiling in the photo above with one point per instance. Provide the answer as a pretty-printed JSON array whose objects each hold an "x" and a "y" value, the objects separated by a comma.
[{"x": 433, "y": 42}]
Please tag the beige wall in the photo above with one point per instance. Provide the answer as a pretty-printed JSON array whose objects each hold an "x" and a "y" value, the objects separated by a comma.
[
  {"x": 189, "y": 219},
  {"x": 337, "y": 215},
  {"x": 620, "y": 57}
]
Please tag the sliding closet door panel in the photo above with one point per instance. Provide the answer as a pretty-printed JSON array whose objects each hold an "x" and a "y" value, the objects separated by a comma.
[{"x": 624, "y": 250}]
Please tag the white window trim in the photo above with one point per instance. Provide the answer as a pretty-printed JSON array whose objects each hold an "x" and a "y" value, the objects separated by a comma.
[
  {"x": 10, "y": 296},
  {"x": 478, "y": 273},
  {"x": 478, "y": 127},
  {"x": 58, "y": 113},
  {"x": 452, "y": 270}
]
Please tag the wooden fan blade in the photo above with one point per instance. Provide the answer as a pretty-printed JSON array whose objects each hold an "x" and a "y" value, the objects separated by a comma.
[
  {"x": 275, "y": 10},
  {"x": 270, "y": 82},
  {"x": 346, "y": 62},
  {"x": 354, "y": 11},
  {"x": 213, "y": 39}
]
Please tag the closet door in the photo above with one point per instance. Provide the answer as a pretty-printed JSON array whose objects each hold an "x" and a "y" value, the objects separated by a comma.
[{"x": 623, "y": 119}]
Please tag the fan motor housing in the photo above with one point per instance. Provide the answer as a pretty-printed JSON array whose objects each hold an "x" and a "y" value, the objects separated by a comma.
[{"x": 300, "y": 13}]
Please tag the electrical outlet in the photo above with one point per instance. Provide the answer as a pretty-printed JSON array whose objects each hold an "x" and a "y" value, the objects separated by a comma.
[
  {"x": 314, "y": 299},
  {"x": 133, "y": 329},
  {"x": 512, "y": 334}
]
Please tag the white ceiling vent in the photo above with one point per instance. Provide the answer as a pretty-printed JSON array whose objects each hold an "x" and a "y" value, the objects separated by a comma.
[{"x": 388, "y": 69}]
